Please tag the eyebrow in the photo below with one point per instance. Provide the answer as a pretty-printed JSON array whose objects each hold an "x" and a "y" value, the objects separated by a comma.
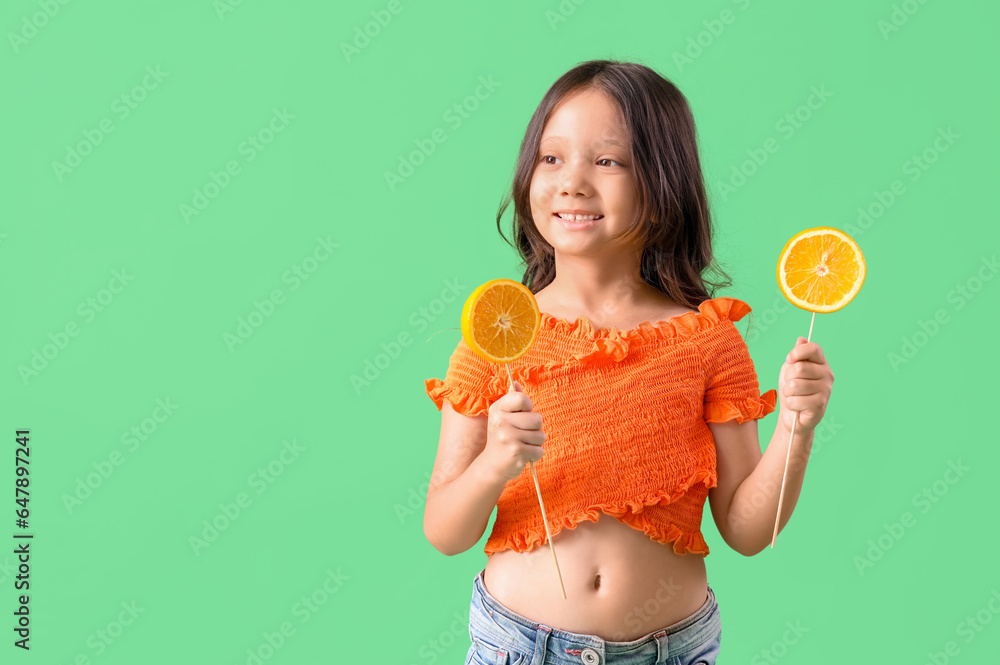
[{"x": 601, "y": 142}]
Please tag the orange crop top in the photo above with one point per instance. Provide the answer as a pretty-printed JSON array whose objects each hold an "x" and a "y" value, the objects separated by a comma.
[{"x": 625, "y": 415}]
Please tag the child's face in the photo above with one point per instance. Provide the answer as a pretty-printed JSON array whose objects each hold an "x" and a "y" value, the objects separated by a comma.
[{"x": 581, "y": 171}]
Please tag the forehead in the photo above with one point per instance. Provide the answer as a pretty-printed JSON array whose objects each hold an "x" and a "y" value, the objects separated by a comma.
[{"x": 589, "y": 116}]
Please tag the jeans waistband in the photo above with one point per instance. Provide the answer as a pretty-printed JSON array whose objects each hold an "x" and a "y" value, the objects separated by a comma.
[{"x": 494, "y": 620}]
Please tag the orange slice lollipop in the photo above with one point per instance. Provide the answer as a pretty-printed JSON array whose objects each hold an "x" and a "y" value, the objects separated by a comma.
[
  {"x": 500, "y": 320},
  {"x": 821, "y": 269}
]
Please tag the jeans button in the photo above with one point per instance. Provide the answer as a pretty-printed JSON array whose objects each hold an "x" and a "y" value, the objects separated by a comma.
[{"x": 590, "y": 657}]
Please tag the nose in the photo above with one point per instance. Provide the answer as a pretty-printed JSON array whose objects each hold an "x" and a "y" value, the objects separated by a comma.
[{"x": 573, "y": 179}]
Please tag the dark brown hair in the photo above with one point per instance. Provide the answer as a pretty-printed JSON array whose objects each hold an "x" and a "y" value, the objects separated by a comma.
[{"x": 673, "y": 216}]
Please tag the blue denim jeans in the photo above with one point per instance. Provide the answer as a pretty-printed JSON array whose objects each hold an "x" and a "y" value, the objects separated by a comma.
[{"x": 501, "y": 636}]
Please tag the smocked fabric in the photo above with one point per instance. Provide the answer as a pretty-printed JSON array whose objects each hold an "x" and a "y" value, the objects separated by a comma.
[{"x": 625, "y": 413}]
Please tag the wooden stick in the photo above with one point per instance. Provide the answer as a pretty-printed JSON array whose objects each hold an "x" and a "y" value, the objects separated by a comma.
[
  {"x": 538, "y": 490},
  {"x": 788, "y": 454}
]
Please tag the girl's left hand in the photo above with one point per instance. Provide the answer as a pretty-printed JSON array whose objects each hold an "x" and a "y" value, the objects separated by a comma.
[{"x": 804, "y": 385}]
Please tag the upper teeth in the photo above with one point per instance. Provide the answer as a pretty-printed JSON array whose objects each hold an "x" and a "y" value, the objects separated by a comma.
[{"x": 577, "y": 218}]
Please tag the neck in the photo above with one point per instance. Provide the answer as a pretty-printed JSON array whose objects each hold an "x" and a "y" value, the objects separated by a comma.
[{"x": 599, "y": 284}]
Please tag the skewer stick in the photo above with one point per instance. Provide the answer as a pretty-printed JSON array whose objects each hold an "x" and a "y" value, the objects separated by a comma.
[
  {"x": 788, "y": 453},
  {"x": 538, "y": 490}
]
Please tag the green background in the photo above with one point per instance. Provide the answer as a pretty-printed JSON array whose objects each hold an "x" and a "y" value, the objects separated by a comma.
[{"x": 340, "y": 504}]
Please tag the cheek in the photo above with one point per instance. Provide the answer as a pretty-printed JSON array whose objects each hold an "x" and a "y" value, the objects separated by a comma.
[
  {"x": 541, "y": 188},
  {"x": 628, "y": 195},
  {"x": 536, "y": 193},
  {"x": 625, "y": 202}
]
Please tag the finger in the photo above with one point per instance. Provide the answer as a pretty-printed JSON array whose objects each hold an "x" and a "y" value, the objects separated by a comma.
[
  {"x": 803, "y": 387},
  {"x": 799, "y": 351},
  {"x": 531, "y": 437},
  {"x": 516, "y": 402},
  {"x": 802, "y": 403},
  {"x": 534, "y": 438},
  {"x": 809, "y": 351},
  {"x": 534, "y": 452},
  {"x": 527, "y": 421},
  {"x": 805, "y": 370}
]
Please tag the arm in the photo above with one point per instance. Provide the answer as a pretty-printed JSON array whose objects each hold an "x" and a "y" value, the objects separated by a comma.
[
  {"x": 745, "y": 502},
  {"x": 463, "y": 491}
]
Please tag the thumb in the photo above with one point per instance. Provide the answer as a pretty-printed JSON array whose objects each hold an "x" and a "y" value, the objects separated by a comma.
[
  {"x": 801, "y": 340},
  {"x": 515, "y": 387}
]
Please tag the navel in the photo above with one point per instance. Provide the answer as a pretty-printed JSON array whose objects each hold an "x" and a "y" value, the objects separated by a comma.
[{"x": 597, "y": 581}]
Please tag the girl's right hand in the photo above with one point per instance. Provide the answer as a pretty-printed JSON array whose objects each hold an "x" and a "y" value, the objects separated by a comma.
[{"x": 514, "y": 434}]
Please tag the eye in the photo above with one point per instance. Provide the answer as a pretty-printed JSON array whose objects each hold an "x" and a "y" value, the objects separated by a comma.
[
  {"x": 545, "y": 157},
  {"x": 608, "y": 159}
]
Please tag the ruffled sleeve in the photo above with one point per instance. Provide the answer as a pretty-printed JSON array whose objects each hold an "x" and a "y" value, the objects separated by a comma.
[
  {"x": 471, "y": 383},
  {"x": 732, "y": 390}
]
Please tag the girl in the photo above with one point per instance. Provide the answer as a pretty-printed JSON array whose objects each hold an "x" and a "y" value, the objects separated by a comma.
[{"x": 643, "y": 398}]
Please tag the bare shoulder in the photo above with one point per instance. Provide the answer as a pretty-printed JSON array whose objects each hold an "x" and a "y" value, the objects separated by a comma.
[
  {"x": 670, "y": 309},
  {"x": 678, "y": 310}
]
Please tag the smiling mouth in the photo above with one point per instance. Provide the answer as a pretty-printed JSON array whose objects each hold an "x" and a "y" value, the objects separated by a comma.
[{"x": 577, "y": 218}]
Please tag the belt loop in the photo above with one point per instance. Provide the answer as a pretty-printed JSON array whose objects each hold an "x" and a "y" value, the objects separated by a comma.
[
  {"x": 541, "y": 644},
  {"x": 661, "y": 646}
]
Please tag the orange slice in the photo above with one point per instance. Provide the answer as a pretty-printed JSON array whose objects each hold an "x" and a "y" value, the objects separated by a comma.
[
  {"x": 821, "y": 269},
  {"x": 500, "y": 320}
]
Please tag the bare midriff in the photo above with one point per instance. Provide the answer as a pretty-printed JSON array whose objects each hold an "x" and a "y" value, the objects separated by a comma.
[{"x": 620, "y": 584}]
